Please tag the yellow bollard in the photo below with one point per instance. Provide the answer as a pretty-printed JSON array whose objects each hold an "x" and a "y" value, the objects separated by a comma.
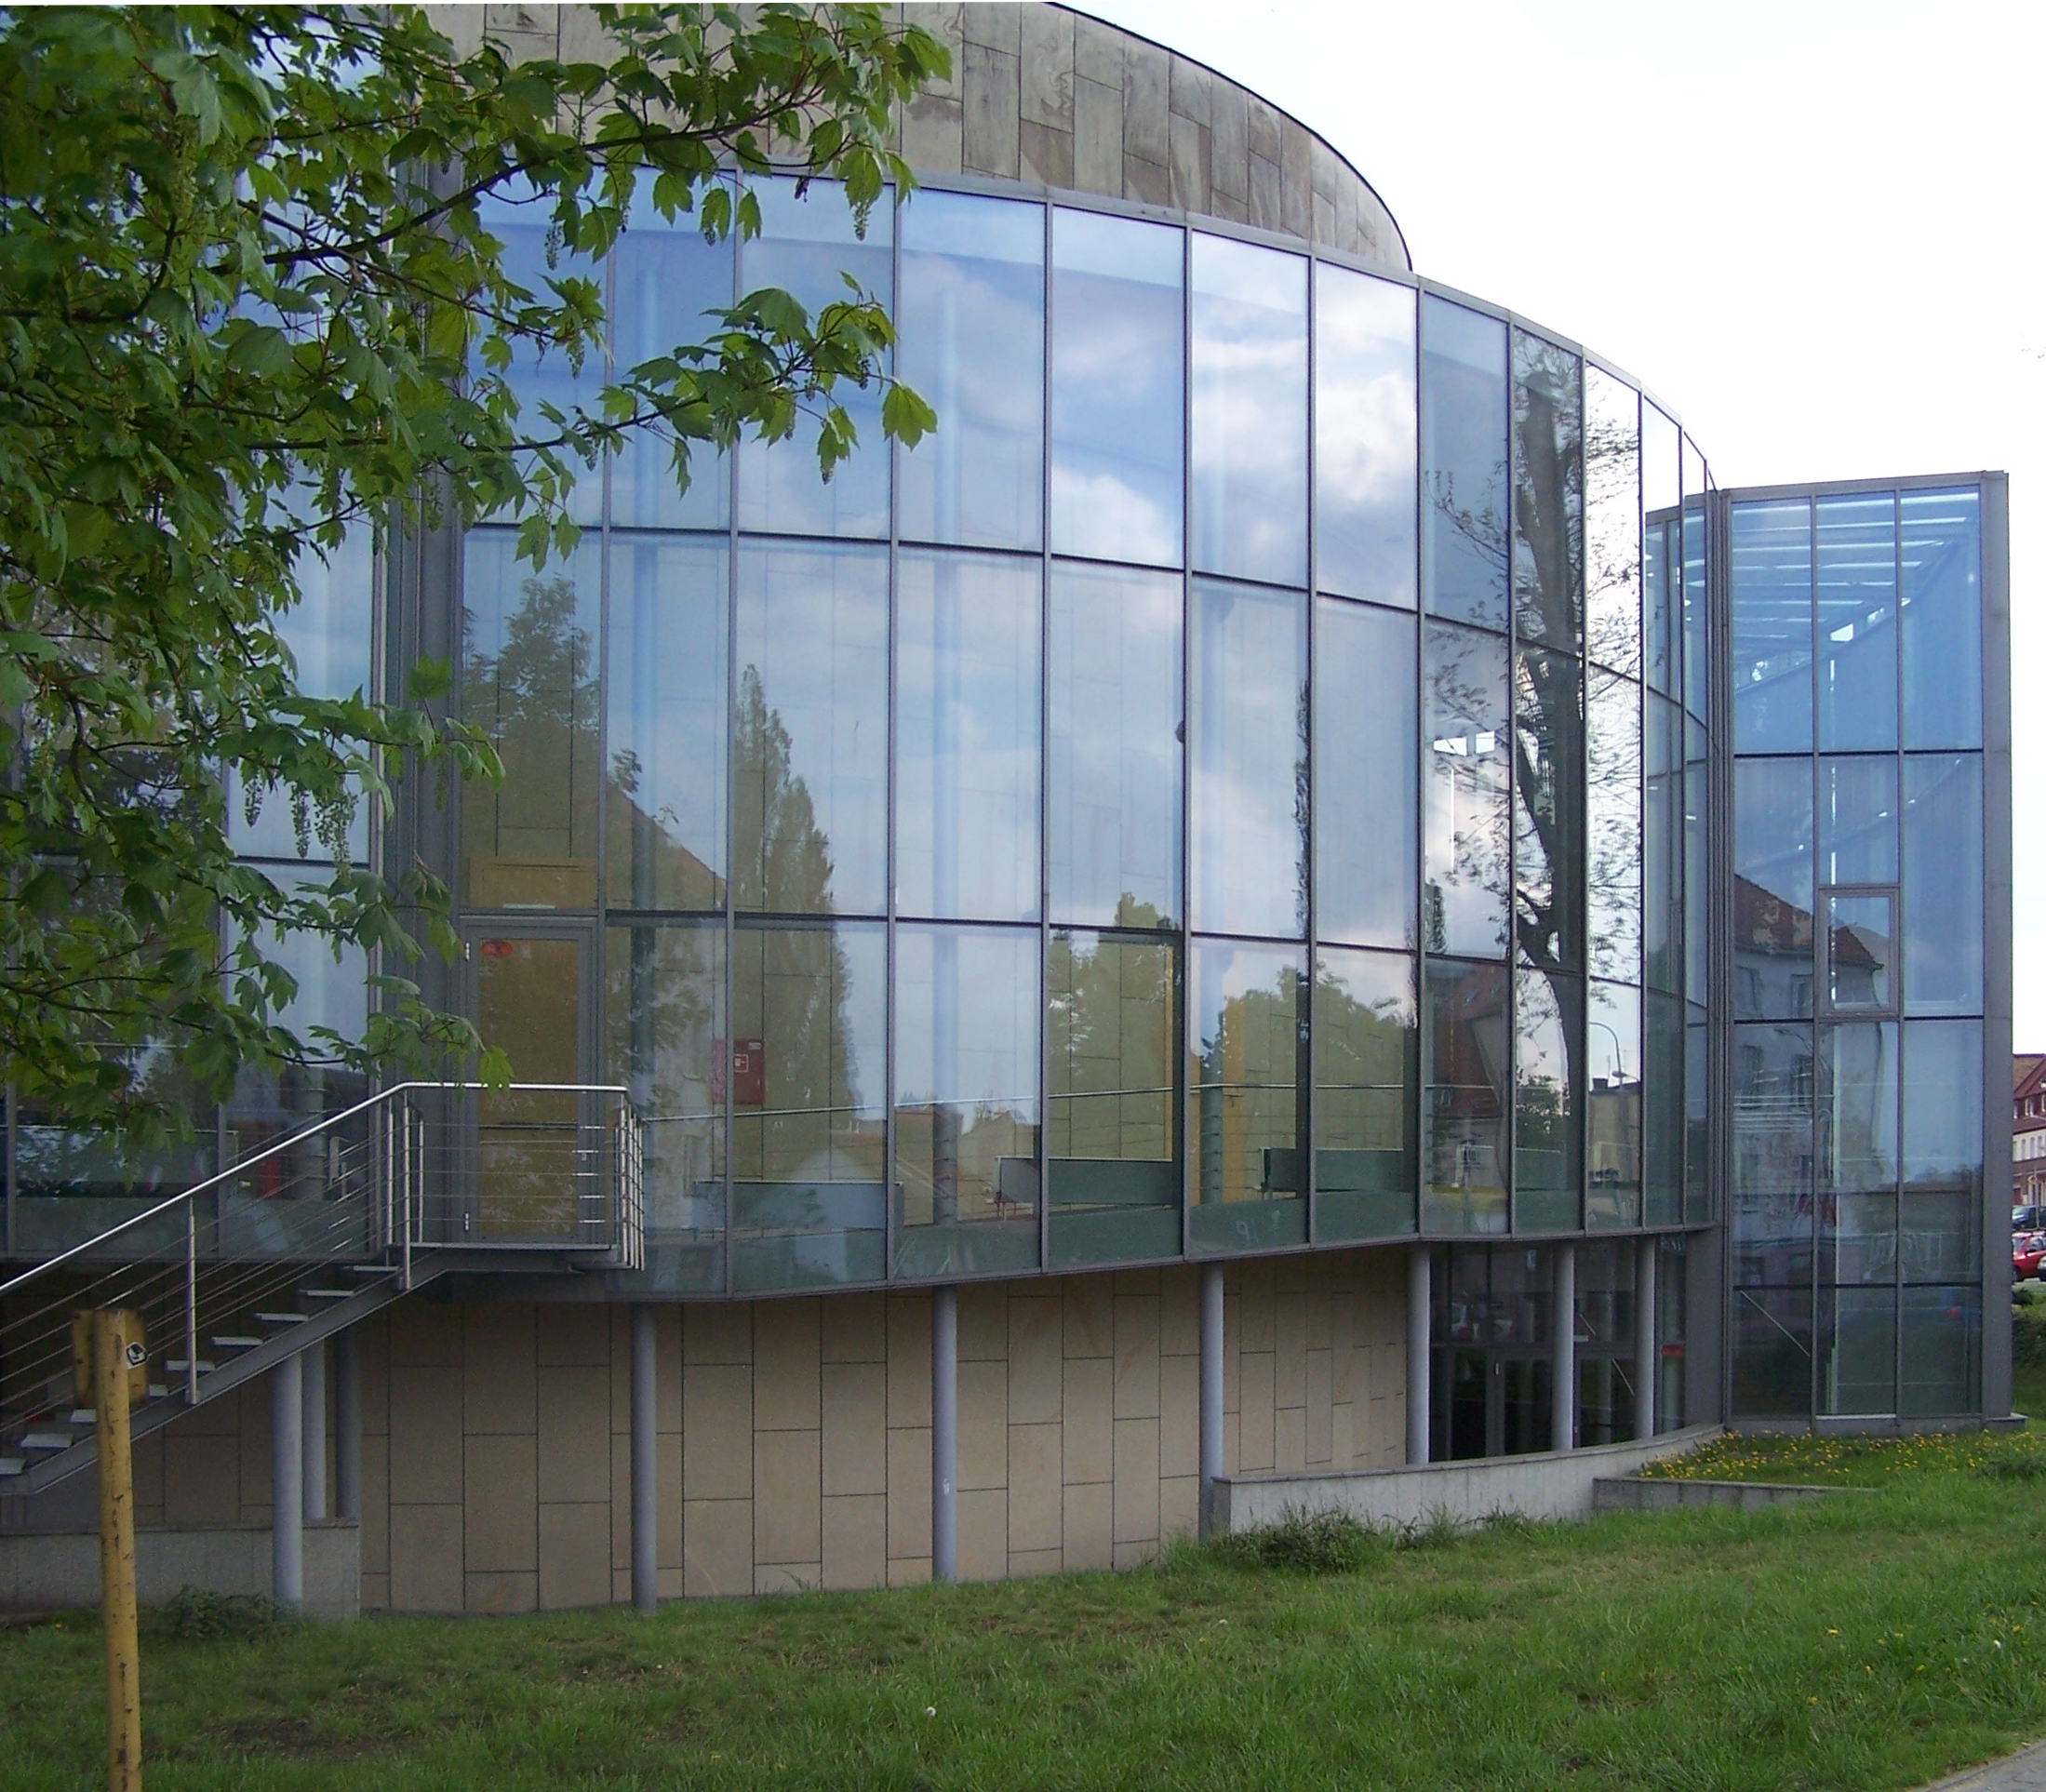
[{"x": 119, "y": 1366}]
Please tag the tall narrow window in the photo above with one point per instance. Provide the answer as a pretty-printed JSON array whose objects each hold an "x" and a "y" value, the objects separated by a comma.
[
  {"x": 1364, "y": 442},
  {"x": 1463, "y": 463},
  {"x": 1464, "y": 750}
]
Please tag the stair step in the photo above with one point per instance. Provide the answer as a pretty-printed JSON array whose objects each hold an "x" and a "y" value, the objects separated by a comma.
[
  {"x": 280, "y": 1319},
  {"x": 84, "y": 1415},
  {"x": 47, "y": 1440},
  {"x": 327, "y": 1294},
  {"x": 373, "y": 1269},
  {"x": 10, "y": 1465},
  {"x": 158, "y": 1391},
  {"x": 231, "y": 1343},
  {"x": 178, "y": 1365}
]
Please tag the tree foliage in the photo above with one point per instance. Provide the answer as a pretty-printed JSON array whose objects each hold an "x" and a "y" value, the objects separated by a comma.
[{"x": 249, "y": 301}]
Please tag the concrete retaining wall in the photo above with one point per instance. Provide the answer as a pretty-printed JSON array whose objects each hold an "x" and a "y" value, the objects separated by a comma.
[
  {"x": 1557, "y": 1484},
  {"x": 1670, "y": 1496},
  {"x": 60, "y": 1570}
]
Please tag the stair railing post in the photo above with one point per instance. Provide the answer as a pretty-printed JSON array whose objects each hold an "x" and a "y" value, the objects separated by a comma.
[
  {"x": 405, "y": 1280},
  {"x": 191, "y": 1305}
]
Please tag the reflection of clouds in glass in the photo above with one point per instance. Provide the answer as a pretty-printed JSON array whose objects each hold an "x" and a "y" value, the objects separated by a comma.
[
  {"x": 965, "y": 1019},
  {"x": 1465, "y": 818},
  {"x": 1365, "y": 436},
  {"x": 1102, "y": 514}
]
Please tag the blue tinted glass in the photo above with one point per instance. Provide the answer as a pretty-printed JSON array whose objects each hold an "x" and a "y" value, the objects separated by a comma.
[
  {"x": 1549, "y": 1017},
  {"x": 1941, "y": 554},
  {"x": 1662, "y": 846},
  {"x": 1465, "y": 1010},
  {"x": 1612, "y": 1105},
  {"x": 1858, "y": 819},
  {"x": 1857, "y": 1108},
  {"x": 1697, "y": 660},
  {"x": 1250, "y": 445},
  {"x": 1942, "y": 892},
  {"x": 1612, "y": 761},
  {"x": 1772, "y": 627},
  {"x": 1117, "y": 385},
  {"x": 1463, "y": 463},
  {"x": 1857, "y": 622},
  {"x": 1548, "y": 493},
  {"x": 1662, "y": 571},
  {"x": 806, "y": 247},
  {"x": 1466, "y": 837},
  {"x": 1697, "y": 888},
  {"x": 1365, "y": 1094},
  {"x": 1943, "y": 1107},
  {"x": 1772, "y": 964},
  {"x": 1612, "y": 522},
  {"x": 1775, "y": 1092},
  {"x": 1365, "y": 443},
  {"x": 1364, "y": 799},
  {"x": 971, "y": 342}
]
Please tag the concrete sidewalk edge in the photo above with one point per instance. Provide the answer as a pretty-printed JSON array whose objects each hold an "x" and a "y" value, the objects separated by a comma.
[{"x": 2024, "y": 1772}]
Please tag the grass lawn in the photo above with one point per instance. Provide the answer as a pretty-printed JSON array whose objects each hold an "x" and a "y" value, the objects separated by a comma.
[{"x": 1871, "y": 1642}]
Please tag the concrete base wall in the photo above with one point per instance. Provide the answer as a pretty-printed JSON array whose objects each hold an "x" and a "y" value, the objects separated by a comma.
[
  {"x": 60, "y": 1570},
  {"x": 1674, "y": 1496},
  {"x": 1557, "y": 1484}
]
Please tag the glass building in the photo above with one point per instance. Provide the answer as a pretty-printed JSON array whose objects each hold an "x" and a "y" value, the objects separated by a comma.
[{"x": 1303, "y": 785}]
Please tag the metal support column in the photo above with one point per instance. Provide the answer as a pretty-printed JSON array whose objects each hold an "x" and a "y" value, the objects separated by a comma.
[
  {"x": 945, "y": 1434},
  {"x": 1647, "y": 1349},
  {"x": 1563, "y": 1318},
  {"x": 1420, "y": 1393},
  {"x": 347, "y": 1426},
  {"x": 1210, "y": 1392},
  {"x": 312, "y": 1402},
  {"x": 287, "y": 1483},
  {"x": 646, "y": 1521}
]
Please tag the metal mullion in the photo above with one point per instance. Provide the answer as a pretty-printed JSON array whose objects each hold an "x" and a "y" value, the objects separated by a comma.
[
  {"x": 889, "y": 1180},
  {"x": 1818, "y": 951},
  {"x": 1309, "y": 869},
  {"x": 1512, "y": 1130},
  {"x": 1189, "y": 1157},
  {"x": 1044, "y": 755},
  {"x": 1896, "y": 930},
  {"x": 1417, "y": 799},
  {"x": 730, "y": 930}
]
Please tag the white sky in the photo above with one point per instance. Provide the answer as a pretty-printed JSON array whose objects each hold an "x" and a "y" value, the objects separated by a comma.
[{"x": 1812, "y": 227}]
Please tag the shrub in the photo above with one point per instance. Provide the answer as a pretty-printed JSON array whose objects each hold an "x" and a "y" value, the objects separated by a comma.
[
  {"x": 1304, "y": 1542},
  {"x": 195, "y": 1614}
]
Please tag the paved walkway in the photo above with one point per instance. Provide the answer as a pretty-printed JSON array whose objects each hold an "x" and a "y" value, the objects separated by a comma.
[{"x": 2024, "y": 1772}]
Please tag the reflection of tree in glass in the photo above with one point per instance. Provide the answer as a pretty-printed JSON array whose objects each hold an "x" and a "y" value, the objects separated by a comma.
[
  {"x": 786, "y": 857},
  {"x": 1246, "y": 1076},
  {"x": 1364, "y": 1068},
  {"x": 792, "y": 989},
  {"x": 1478, "y": 525},
  {"x": 1612, "y": 592},
  {"x": 662, "y": 1003},
  {"x": 1548, "y": 766},
  {"x": 1110, "y": 1026},
  {"x": 1467, "y": 779},
  {"x": 1613, "y": 849}
]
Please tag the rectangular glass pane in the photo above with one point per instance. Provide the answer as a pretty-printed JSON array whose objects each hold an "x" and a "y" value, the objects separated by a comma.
[
  {"x": 1469, "y": 1049},
  {"x": 1697, "y": 661},
  {"x": 1613, "y": 1118},
  {"x": 1250, "y": 445},
  {"x": 1612, "y": 523},
  {"x": 1548, "y": 494},
  {"x": 664, "y": 840},
  {"x": 1366, "y": 801},
  {"x": 967, "y": 1007},
  {"x": 1117, "y": 388},
  {"x": 1774, "y": 1095},
  {"x": 1858, "y": 1239},
  {"x": 1698, "y": 1128},
  {"x": 1662, "y": 1122},
  {"x": 1248, "y": 675},
  {"x": 1662, "y": 475},
  {"x": 1245, "y": 1062},
  {"x": 810, "y": 740},
  {"x": 1463, "y": 463},
  {"x": 1367, "y": 1065},
  {"x": 1662, "y": 846},
  {"x": 805, "y": 247},
  {"x": 1614, "y": 826},
  {"x": 1772, "y": 962},
  {"x": 1662, "y": 571},
  {"x": 529, "y": 682},
  {"x": 1939, "y": 1237},
  {"x": 1857, "y": 1357},
  {"x": 1698, "y": 889},
  {"x": 1940, "y": 1347},
  {"x": 1859, "y": 939},
  {"x": 1857, "y": 622},
  {"x": 1466, "y": 841},
  {"x": 1857, "y": 1107},
  {"x": 664, "y": 1020},
  {"x": 1112, "y": 1030},
  {"x": 1773, "y": 1347},
  {"x": 809, "y": 1126},
  {"x": 1771, "y": 545},
  {"x": 1858, "y": 819},
  {"x": 970, "y": 344},
  {"x": 1548, "y": 808},
  {"x": 1943, "y": 884},
  {"x": 1943, "y": 1108},
  {"x": 1941, "y": 549},
  {"x": 1548, "y": 1102},
  {"x": 1365, "y": 443},
  {"x": 1114, "y": 761},
  {"x": 966, "y": 737}
]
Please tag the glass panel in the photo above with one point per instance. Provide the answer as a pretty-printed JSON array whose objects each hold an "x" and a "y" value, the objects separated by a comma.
[
  {"x": 966, "y": 737},
  {"x": 1250, "y": 447},
  {"x": 1697, "y": 662},
  {"x": 665, "y": 829},
  {"x": 1698, "y": 897},
  {"x": 664, "y": 1018},
  {"x": 1941, "y": 552},
  {"x": 1858, "y": 1239},
  {"x": 1857, "y": 622},
  {"x": 1857, "y": 1107},
  {"x": 966, "y": 1011},
  {"x": 1662, "y": 476},
  {"x": 1772, "y": 1353},
  {"x": 1115, "y": 758},
  {"x": 1940, "y": 1236},
  {"x": 1117, "y": 383},
  {"x": 809, "y": 820},
  {"x": 1548, "y": 811},
  {"x": 1860, "y": 949},
  {"x": 1364, "y": 436},
  {"x": 1247, "y": 1053},
  {"x": 1943, "y": 1109},
  {"x": 1366, "y": 829},
  {"x": 1662, "y": 846},
  {"x": 1771, "y": 546},
  {"x": 1548, "y": 1094},
  {"x": 1858, "y": 820},
  {"x": 1612, "y": 1105},
  {"x": 1772, "y": 968},
  {"x": 1463, "y": 463},
  {"x": 1662, "y": 556},
  {"x": 1662, "y": 1108},
  {"x": 1469, "y": 1056},
  {"x": 1612, "y": 523},
  {"x": 808, "y": 1208},
  {"x": 1773, "y": 1113},
  {"x": 1613, "y": 826},
  {"x": 970, "y": 344},
  {"x": 1367, "y": 1065},
  {"x": 1111, "y": 1021},
  {"x": 1466, "y": 845},
  {"x": 1941, "y": 1351},
  {"x": 331, "y": 999},
  {"x": 1248, "y": 678},
  {"x": 528, "y": 1000},
  {"x": 529, "y": 682},
  {"x": 1548, "y": 493},
  {"x": 665, "y": 280},
  {"x": 807, "y": 247},
  {"x": 1943, "y": 874},
  {"x": 1857, "y": 1350},
  {"x": 1698, "y": 1129}
]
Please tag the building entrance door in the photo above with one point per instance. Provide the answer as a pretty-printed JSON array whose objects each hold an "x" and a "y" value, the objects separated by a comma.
[{"x": 1499, "y": 1401}]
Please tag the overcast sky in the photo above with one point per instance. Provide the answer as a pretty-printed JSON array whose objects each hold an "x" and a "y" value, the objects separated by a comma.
[{"x": 1813, "y": 228}]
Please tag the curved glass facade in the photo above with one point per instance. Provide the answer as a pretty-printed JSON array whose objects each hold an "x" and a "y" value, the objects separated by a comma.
[{"x": 1230, "y": 789}]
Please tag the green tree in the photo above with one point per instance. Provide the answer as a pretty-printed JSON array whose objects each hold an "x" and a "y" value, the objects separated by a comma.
[{"x": 249, "y": 301}]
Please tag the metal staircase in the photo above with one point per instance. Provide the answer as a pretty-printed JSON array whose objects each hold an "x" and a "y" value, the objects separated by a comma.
[{"x": 310, "y": 1234}]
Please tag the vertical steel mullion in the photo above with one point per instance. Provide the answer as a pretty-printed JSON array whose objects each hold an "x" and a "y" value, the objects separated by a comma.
[
  {"x": 192, "y": 1304},
  {"x": 1309, "y": 868},
  {"x": 1896, "y": 935},
  {"x": 1580, "y": 1065},
  {"x": 729, "y": 975},
  {"x": 10, "y": 1117},
  {"x": 1044, "y": 754},
  {"x": 1512, "y": 1101},
  {"x": 890, "y": 652},
  {"x": 1417, "y": 797},
  {"x": 1819, "y": 948},
  {"x": 1189, "y": 1174}
]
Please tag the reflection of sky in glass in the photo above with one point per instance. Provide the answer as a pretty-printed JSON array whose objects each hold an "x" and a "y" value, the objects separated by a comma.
[
  {"x": 1116, "y": 385},
  {"x": 1612, "y": 523},
  {"x": 1364, "y": 436},
  {"x": 1771, "y": 545},
  {"x": 1661, "y": 470},
  {"x": 965, "y": 1019},
  {"x": 1941, "y": 548},
  {"x": 1249, "y": 422},
  {"x": 1463, "y": 463},
  {"x": 1364, "y": 801},
  {"x": 1463, "y": 749},
  {"x": 1857, "y": 622}
]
